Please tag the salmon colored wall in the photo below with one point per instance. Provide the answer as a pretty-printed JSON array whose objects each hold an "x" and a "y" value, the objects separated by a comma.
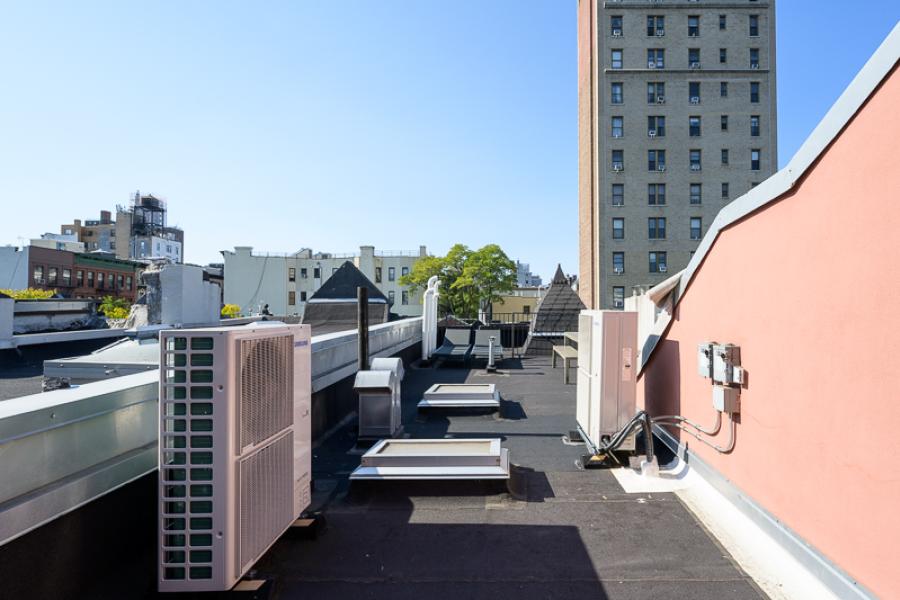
[{"x": 809, "y": 288}]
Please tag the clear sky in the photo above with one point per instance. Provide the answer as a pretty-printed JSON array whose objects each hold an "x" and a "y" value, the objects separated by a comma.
[{"x": 330, "y": 124}]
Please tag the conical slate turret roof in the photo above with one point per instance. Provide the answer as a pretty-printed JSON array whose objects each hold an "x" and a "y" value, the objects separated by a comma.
[{"x": 559, "y": 308}]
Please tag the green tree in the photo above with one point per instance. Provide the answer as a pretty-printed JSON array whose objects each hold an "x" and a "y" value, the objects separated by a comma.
[
  {"x": 114, "y": 308},
  {"x": 487, "y": 273},
  {"x": 448, "y": 269}
]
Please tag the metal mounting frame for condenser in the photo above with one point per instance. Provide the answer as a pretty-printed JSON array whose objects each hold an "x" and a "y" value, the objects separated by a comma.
[{"x": 461, "y": 395}]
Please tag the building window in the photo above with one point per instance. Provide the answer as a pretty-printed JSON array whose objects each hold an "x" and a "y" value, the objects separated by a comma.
[
  {"x": 696, "y": 193},
  {"x": 317, "y": 272},
  {"x": 723, "y": 22},
  {"x": 618, "y": 160},
  {"x": 79, "y": 278},
  {"x": 526, "y": 310},
  {"x": 724, "y": 156},
  {"x": 618, "y": 194},
  {"x": 99, "y": 280},
  {"x": 303, "y": 273},
  {"x": 120, "y": 279},
  {"x": 128, "y": 282},
  {"x": 656, "y": 126},
  {"x": 404, "y": 297},
  {"x": 694, "y": 92},
  {"x": 392, "y": 273},
  {"x": 723, "y": 55},
  {"x": 618, "y": 127},
  {"x": 616, "y": 58},
  {"x": 391, "y": 296},
  {"x": 754, "y": 160},
  {"x": 656, "y": 25},
  {"x": 377, "y": 274},
  {"x": 656, "y": 58},
  {"x": 616, "y": 93},
  {"x": 619, "y": 297},
  {"x": 694, "y": 58},
  {"x": 693, "y": 26},
  {"x": 754, "y": 125},
  {"x": 656, "y": 194},
  {"x": 754, "y": 25},
  {"x": 723, "y": 89},
  {"x": 754, "y": 92},
  {"x": 658, "y": 263},
  {"x": 302, "y": 296},
  {"x": 292, "y": 298},
  {"x": 725, "y": 191},
  {"x": 615, "y": 25},
  {"x": 656, "y": 160},
  {"x": 90, "y": 279},
  {"x": 696, "y": 228},
  {"x": 754, "y": 58},
  {"x": 618, "y": 262},
  {"x": 696, "y": 156},
  {"x": 724, "y": 122},
  {"x": 618, "y": 228},
  {"x": 656, "y": 92},
  {"x": 51, "y": 276},
  {"x": 404, "y": 271},
  {"x": 292, "y": 274},
  {"x": 38, "y": 274},
  {"x": 656, "y": 228},
  {"x": 694, "y": 126}
]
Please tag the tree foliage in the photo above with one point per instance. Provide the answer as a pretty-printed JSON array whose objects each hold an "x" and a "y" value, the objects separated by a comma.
[
  {"x": 29, "y": 294},
  {"x": 230, "y": 311},
  {"x": 114, "y": 308},
  {"x": 469, "y": 279}
]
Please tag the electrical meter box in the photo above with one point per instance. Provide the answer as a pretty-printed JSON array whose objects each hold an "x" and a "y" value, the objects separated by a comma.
[
  {"x": 705, "y": 359},
  {"x": 725, "y": 358}
]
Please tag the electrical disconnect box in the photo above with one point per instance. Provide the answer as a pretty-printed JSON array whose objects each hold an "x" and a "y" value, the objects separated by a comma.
[
  {"x": 705, "y": 359},
  {"x": 727, "y": 399},
  {"x": 726, "y": 364}
]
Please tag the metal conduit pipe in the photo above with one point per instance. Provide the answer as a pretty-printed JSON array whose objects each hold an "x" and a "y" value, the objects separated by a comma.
[
  {"x": 699, "y": 428},
  {"x": 724, "y": 450},
  {"x": 641, "y": 418}
]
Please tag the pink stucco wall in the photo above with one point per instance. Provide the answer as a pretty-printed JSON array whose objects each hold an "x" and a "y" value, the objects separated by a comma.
[{"x": 809, "y": 287}]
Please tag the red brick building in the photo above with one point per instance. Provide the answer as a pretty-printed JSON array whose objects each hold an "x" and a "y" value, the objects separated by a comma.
[{"x": 77, "y": 275}]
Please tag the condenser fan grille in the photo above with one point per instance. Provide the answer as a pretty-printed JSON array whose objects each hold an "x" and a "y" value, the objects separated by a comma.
[{"x": 266, "y": 384}]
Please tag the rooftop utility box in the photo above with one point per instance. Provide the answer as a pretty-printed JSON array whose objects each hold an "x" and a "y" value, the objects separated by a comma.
[
  {"x": 607, "y": 351},
  {"x": 379, "y": 403},
  {"x": 234, "y": 449},
  {"x": 725, "y": 358}
]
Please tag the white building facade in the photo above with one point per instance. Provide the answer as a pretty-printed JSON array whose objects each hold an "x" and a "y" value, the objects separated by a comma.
[{"x": 285, "y": 282}]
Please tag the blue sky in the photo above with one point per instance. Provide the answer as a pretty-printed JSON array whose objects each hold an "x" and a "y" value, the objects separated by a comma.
[{"x": 334, "y": 124}]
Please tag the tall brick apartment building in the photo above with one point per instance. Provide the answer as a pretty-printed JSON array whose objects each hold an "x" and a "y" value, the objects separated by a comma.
[{"x": 677, "y": 117}]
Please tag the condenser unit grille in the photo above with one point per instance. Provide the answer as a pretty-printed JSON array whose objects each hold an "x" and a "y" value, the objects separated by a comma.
[
  {"x": 266, "y": 384},
  {"x": 266, "y": 504}
]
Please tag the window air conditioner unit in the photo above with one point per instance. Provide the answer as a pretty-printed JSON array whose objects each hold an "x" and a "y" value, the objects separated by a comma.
[
  {"x": 618, "y": 167},
  {"x": 652, "y": 133},
  {"x": 754, "y": 65},
  {"x": 617, "y": 135},
  {"x": 694, "y": 35},
  {"x": 695, "y": 100},
  {"x": 660, "y": 32},
  {"x": 660, "y": 168},
  {"x": 617, "y": 33},
  {"x": 607, "y": 366},
  {"x": 618, "y": 270},
  {"x": 660, "y": 99},
  {"x": 695, "y": 167},
  {"x": 695, "y": 65},
  {"x": 234, "y": 449},
  {"x": 651, "y": 65},
  {"x": 662, "y": 268}
]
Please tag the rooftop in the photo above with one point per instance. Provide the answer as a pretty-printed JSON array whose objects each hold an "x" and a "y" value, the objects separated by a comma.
[{"x": 563, "y": 532}]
